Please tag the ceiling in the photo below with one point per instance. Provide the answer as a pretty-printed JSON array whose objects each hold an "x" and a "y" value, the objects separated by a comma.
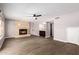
[{"x": 23, "y": 10}]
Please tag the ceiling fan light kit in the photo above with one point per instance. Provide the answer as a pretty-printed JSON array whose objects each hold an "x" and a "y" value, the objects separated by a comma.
[{"x": 35, "y": 18}]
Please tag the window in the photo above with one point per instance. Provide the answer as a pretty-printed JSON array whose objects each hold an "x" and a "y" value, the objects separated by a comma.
[{"x": 1, "y": 27}]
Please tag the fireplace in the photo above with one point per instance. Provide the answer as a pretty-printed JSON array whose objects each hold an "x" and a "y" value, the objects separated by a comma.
[{"x": 22, "y": 31}]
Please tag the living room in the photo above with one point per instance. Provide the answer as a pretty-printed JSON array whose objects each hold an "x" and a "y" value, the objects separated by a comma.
[{"x": 38, "y": 28}]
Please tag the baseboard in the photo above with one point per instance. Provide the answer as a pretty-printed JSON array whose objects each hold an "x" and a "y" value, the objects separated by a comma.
[
  {"x": 47, "y": 36},
  {"x": 19, "y": 36},
  {"x": 60, "y": 40},
  {"x": 66, "y": 41}
]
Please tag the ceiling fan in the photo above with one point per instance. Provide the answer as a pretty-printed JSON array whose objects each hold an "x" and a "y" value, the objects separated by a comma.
[{"x": 35, "y": 16}]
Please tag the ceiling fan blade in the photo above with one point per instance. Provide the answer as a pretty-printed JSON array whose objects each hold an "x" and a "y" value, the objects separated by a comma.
[
  {"x": 39, "y": 15},
  {"x": 34, "y": 15},
  {"x": 29, "y": 16}
]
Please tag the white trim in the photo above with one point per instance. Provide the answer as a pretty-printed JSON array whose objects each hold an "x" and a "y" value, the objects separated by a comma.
[
  {"x": 47, "y": 36},
  {"x": 19, "y": 36},
  {"x": 65, "y": 41},
  {"x": 60, "y": 40}
]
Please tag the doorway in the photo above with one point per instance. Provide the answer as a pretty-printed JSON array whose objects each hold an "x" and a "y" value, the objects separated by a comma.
[{"x": 51, "y": 30}]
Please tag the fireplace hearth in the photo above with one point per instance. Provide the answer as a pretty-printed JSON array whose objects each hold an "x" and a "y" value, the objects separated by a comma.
[{"x": 22, "y": 31}]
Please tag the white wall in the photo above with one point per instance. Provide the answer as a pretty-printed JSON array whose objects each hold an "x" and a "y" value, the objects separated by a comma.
[
  {"x": 10, "y": 28},
  {"x": 47, "y": 29},
  {"x": 62, "y": 25},
  {"x": 42, "y": 26},
  {"x": 34, "y": 28},
  {"x": 73, "y": 35}
]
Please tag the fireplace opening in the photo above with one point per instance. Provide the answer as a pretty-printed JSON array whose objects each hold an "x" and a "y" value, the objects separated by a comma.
[{"x": 22, "y": 31}]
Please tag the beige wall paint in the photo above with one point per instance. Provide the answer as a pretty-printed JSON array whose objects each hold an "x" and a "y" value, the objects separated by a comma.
[
  {"x": 13, "y": 26},
  {"x": 22, "y": 25}
]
